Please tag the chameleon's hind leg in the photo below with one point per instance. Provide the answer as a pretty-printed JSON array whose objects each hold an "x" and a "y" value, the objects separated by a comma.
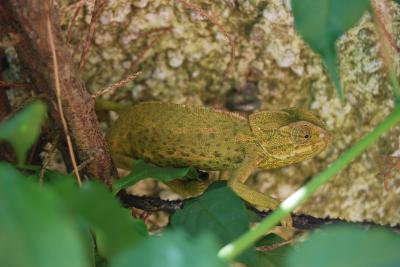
[{"x": 253, "y": 197}]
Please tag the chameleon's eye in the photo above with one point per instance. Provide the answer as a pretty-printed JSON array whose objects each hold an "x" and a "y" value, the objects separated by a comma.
[{"x": 301, "y": 134}]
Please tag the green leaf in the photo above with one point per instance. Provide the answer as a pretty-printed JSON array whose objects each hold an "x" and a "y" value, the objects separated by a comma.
[
  {"x": 322, "y": 22},
  {"x": 51, "y": 176},
  {"x": 96, "y": 207},
  {"x": 35, "y": 228},
  {"x": 143, "y": 170},
  {"x": 348, "y": 246},
  {"x": 172, "y": 249},
  {"x": 218, "y": 211},
  {"x": 24, "y": 128}
]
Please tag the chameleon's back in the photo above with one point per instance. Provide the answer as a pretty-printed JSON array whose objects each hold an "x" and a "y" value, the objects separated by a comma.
[{"x": 175, "y": 135}]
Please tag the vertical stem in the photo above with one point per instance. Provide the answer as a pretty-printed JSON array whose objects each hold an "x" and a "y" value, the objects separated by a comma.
[{"x": 232, "y": 250}]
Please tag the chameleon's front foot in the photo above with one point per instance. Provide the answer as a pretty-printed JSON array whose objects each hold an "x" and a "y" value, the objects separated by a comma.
[{"x": 260, "y": 201}]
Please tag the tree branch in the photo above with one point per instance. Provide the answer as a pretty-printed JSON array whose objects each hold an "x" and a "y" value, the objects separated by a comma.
[
  {"x": 152, "y": 204},
  {"x": 28, "y": 19}
]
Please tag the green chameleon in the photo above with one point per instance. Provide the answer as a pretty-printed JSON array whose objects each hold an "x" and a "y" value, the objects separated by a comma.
[{"x": 207, "y": 139}]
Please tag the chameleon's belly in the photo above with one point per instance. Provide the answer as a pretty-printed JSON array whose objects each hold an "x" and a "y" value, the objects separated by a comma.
[{"x": 178, "y": 136}]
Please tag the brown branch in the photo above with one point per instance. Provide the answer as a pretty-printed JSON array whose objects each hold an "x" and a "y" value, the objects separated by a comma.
[
  {"x": 73, "y": 20},
  {"x": 387, "y": 43},
  {"x": 59, "y": 104},
  {"x": 152, "y": 204},
  {"x": 5, "y": 85},
  {"x": 98, "y": 8},
  {"x": 221, "y": 28},
  {"x": 381, "y": 11},
  {"x": 28, "y": 18}
]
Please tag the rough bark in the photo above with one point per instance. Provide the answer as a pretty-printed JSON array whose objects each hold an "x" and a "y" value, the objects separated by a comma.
[{"x": 28, "y": 19}]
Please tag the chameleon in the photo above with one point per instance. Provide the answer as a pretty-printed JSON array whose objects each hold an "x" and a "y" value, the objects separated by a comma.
[{"x": 174, "y": 135}]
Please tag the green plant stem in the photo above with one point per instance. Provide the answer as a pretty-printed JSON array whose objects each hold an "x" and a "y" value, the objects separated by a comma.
[{"x": 230, "y": 251}]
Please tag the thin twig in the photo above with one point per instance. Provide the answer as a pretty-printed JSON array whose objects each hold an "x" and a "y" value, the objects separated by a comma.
[
  {"x": 387, "y": 48},
  {"x": 7, "y": 85},
  {"x": 98, "y": 7},
  {"x": 115, "y": 86},
  {"x": 378, "y": 7},
  {"x": 58, "y": 95},
  {"x": 73, "y": 19},
  {"x": 274, "y": 246},
  {"x": 142, "y": 53},
  {"x": 85, "y": 163},
  {"x": 70, "y": 7},
  {"x": 221, "y": 28}
]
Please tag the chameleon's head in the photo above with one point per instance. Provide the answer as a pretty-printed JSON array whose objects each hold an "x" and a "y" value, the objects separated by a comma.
[{"x": 288, "y": 136}]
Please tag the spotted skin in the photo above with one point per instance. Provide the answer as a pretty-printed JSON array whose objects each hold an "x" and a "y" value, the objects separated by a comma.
[
  {"x": 196, "y": 137},
  {"x": 207, "y": 139}
]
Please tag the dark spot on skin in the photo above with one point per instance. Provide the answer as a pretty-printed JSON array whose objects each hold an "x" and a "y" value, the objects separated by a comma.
[
  {"x": 217, "y": 154},
  {"x": 238, "y": 160}
]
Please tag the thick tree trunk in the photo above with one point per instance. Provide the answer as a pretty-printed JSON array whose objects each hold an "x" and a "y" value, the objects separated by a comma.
[{"x": 28, "y": 19}]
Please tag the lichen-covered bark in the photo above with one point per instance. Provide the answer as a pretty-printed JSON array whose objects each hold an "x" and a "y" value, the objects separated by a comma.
[{"x": 185, "y": 61}]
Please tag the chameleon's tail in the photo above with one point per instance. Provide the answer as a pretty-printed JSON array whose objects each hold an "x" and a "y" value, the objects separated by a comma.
[{"x": 107, "y": 105}]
